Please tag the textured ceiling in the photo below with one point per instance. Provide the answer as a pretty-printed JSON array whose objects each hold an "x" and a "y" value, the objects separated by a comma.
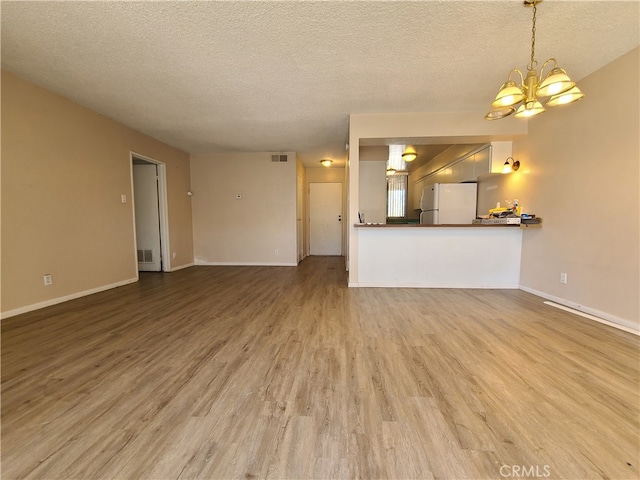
[{"x": 213, "y": 76}]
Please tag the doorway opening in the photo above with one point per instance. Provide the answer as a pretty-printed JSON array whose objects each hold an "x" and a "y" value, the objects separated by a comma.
[{"x": 150, "y": 218}]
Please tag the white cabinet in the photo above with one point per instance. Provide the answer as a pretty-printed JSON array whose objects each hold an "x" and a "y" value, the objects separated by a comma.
[
  {"x": 444, "y": 175},
  {"x": 482, "y": 162},
  {"x": 467, "y": 167},
  {"x": 492, "y": 158},
  {"x": 500, "y": 151},
  {"x": 456, "y": 172}
]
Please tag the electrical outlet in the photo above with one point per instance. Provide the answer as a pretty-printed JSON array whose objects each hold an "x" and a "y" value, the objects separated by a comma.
[
  {"x": 563, "y": 278},
  {"x": 277, "y": 252},
  {"x": 123, "y": 198},
  {"x": 48, "y": 279},
  {"x": 173, "y": 255}
]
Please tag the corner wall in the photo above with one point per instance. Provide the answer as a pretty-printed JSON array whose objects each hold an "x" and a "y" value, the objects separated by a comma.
[{"x": 64, "y": 169}]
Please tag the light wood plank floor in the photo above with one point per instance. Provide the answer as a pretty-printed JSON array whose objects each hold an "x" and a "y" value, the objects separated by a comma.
[{"x": 284, "y": 372}]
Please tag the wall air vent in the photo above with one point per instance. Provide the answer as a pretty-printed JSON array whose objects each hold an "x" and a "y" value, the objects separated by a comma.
[
  {"x": 145, "y": 256},
  {"x": 278, "y": 158}
]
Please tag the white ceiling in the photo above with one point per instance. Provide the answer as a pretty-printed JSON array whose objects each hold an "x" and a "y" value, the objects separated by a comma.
[{"x": 210, "y": 76}]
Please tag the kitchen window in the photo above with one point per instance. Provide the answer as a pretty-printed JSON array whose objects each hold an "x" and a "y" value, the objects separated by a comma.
[
  {"x": 396, "y": 183},
  {"x": 396, "y": 196}
]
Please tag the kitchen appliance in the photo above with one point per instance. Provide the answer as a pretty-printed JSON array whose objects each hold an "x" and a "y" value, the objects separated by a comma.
[{"x": 448, "y": 203}]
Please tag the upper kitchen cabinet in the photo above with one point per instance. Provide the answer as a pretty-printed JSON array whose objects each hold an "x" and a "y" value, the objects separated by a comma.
[
  {"x": 481, "y": 162},
  {"x": 467, "y": 169},
  {"x": 491, "y": 159},
  {"x": 456, "y": 173}
]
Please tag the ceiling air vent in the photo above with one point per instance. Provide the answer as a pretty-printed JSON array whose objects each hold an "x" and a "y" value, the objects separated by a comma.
[{"x": 278, "y": 158}]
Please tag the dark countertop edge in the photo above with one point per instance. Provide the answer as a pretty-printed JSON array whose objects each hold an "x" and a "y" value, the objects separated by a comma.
[{"x": 418, "y": 225}]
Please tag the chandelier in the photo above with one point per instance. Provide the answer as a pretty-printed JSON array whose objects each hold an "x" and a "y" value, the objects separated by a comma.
[{"x": 556, "y": 85}]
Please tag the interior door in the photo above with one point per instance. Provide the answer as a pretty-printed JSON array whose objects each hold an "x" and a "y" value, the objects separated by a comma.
[
  {"x": 145, "y": 191},
  {"x": 325, "y": 218},
  {"x": 299, "y": 216}
]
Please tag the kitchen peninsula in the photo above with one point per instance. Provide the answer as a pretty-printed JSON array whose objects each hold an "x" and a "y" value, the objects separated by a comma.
[{"x": 438, "y": 256}]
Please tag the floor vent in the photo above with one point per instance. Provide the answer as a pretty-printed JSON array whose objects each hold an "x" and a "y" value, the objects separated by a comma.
[
  {"x": 592, "y": 317},
  {"x": 145, "y": 256},
  {"x": 278, "y": 158}
]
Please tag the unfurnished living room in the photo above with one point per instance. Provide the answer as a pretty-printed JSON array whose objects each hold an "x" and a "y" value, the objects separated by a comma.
[{"x": 320, "y": 240}]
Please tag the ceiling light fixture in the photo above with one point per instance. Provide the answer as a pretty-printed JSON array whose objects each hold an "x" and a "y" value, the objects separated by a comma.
[
  {"x": 326, "y": 162},
  {"x": 391, "y": 171},
  {"x": 556, "y": 84},
  {"x": 510, "y": 167},
  {"x": 409, "y": 156}
]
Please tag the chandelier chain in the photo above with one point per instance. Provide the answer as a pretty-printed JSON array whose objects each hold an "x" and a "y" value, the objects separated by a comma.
[{"x": 533, "y": 63}]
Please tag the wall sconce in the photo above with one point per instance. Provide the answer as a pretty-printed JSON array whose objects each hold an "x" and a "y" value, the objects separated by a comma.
[
  {"x": 326, "y": 162},
  {"x": 510, "y": 167},
  {"x": 409, "y": 156}
]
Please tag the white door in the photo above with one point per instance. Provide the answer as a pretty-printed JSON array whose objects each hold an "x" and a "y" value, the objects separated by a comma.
[
  {"x": 325, "y": 218},
  {"x": 299, "y": 215},
  {"x": 145, "y": 191}
]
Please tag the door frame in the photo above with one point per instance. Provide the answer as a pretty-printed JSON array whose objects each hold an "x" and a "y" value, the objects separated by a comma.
[
  {"x": 301, "y": 244},
  {"x": 342, "y": 213},
  {"x": 163, "y": 211}
]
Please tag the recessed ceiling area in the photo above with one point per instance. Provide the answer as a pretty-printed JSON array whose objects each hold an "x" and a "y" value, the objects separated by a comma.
[{"x": 214, "y": 77}]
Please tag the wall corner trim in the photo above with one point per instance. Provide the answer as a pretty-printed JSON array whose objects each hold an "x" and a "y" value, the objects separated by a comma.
[
  {"x": 66, "y": 298},
  {"x": 245, "y": 264}
]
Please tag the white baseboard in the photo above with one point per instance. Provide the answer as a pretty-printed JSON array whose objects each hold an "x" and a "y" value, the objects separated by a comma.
[
  {"x": 245, "y": 264},
  {"x": 186, "y": 265},
  {"x": 66, "y": 298},
  {"x": 587, "y": 312},
  {"x": 410, "y": 285}
]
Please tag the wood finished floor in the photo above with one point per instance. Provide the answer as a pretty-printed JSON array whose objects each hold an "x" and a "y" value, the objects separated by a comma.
[{"x": 284, "y": 372}]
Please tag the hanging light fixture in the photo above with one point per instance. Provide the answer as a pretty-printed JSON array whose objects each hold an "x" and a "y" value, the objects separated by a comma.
[{"x": 556, "y": 84}]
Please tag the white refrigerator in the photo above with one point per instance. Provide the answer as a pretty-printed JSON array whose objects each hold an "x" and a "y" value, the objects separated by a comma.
[{"x": 448, "y": 203}]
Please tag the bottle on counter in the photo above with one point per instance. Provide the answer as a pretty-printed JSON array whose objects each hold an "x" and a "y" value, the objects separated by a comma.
[{"x": 516, "y": 206}]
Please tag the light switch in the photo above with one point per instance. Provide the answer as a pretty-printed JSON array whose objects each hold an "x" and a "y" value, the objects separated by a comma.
[{"x": 123, "y": 198}]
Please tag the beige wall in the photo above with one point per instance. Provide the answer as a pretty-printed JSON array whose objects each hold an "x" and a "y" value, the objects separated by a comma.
[
  {"x": 245, "y": 231},
  {"x": 580, "y": 174},
  {"x": 64, "y": 169}
]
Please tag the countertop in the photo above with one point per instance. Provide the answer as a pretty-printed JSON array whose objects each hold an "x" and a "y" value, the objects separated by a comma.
[{"x": 418, "y": 225}]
